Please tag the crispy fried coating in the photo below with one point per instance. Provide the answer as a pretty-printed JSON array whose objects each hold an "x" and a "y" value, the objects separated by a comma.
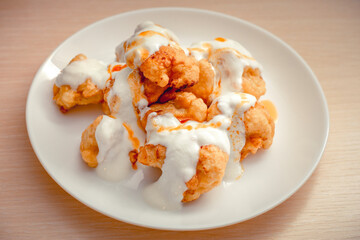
[
  {"x": 152, "y": 155},
  {"x": 253, "y": 83},
  {"x": 210, "y": 168},
  {"x": 88, "y": 147},
  {"x": 67, "y": 98},
  {"x": 87, "y": 93},
  {"x": 212, "y": 111},
  {"x": 185, "y": 106},
  {"x": 112, "y": 107},
  {"x": 259, "y": 130},
  {"x": 152, "y": 91},
  {"x": 170, "y": 66},
  {"x": 205, "y": 87}
]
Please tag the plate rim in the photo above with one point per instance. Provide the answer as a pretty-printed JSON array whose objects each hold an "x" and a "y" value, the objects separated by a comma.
[{"x": 195, "y": 10}]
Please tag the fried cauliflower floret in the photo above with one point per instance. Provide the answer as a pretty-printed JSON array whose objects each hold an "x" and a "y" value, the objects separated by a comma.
[
  {"x": 259, "y": 130},
  {"x": 113, "y": 95},
  {"x": 185, "y": 106},
  {"x": 67, "y": 98},
  {"x": 210, "y": 168},
  {"x": 170, "y": 66},
  {"x": 152, "y": 91},
  {"x": 205, "y": 87},
  {"x": 88, "y": 147},
  {"x": 152, "y": 155},
  {"x": 114, "y": 103},
  {"x": 253, "y": 83},
  {"x": 86, "y": 93}
]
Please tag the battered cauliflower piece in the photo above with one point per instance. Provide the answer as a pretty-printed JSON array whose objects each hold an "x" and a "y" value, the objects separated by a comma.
[
  {"x": 86, "y": 93},
  {"x": 88, "y": 147},
  {"x": 210, "y": 168},
  {"x": 115, "y": 101},
  {"x": 152, "y": 155},
  {"x": 259, "y": 128},
  {"x": 253, "y": 83},
  {"x": 210, "y": 171},
  {"x": 116, "y": 92},
  {"x": 205, "y": 87},
  {"x": 185, "y": 106},
  {"x": 152, "y": 91},
  {"x": 170, "y": 66}
]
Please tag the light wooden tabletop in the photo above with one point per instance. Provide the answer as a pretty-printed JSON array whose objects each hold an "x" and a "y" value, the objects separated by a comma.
[{"x": 325, "y": 33}]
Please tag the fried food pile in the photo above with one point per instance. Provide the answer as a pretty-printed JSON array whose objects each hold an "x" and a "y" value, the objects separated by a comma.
[{"x": 192, "y": 112}]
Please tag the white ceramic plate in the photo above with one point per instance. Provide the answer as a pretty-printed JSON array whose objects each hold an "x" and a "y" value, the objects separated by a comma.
[{"x": 270, "y": 176}]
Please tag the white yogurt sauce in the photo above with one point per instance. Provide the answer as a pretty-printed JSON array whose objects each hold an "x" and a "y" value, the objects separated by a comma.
[
  {"x": 142, "y": 105},
  {"x": 78, "y": 72},
  {"x": 114, "y": 147},
  {"x": 125, "y": 111},
  {"x": 234, "y": 105},
  {"x": 182, "y": 142},
  {"x": 146, "y": 40},
  {"x": 229, "y": 59}
]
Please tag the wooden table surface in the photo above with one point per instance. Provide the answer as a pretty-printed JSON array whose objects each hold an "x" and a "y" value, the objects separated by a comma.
[{"x": 325, "y": 33}]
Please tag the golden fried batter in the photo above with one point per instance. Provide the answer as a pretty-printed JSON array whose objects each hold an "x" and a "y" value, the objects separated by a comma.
[
  {"x": 88, "y": 147},
  {"x": 210, "y": 168},
  {"x": 67, "y": 98},
  {"x": 112, "y": 107},
  {"x": 152, "y": 155},
  {"x": 204, "y": 88},
  {"x": 253, "y": 83},
  {"x": 152, "y": 91},
  {"x": 86, "y": 93},
  {"x": 259, "y": 130},
  {"x": 170, "y": 66},
  {"x": 185, "y": 106}
]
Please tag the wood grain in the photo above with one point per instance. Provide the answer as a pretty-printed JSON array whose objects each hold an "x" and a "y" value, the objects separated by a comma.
[{"x": 325, "y": 33}]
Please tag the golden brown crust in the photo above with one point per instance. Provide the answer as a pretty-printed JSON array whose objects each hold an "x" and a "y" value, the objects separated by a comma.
[
  {"x": 88, "y": 147},
  {"x": 204, "y": 88},
  {"x": 259, "y": 130},
  {"x": 253, "y": 83},
  {"x": 212, "y": 111},
  {"x": 67, "y": 98},
  {"x": 152, "y": 91},
  {"x": 112, "y": 107},
  {"x": 152, "y": 155},
  {"x": 87, "y": 93},
  {"x": 184, "y": 107},
  {"x": 210, "y": 168},
  {"x": 170, "y": 66}
]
